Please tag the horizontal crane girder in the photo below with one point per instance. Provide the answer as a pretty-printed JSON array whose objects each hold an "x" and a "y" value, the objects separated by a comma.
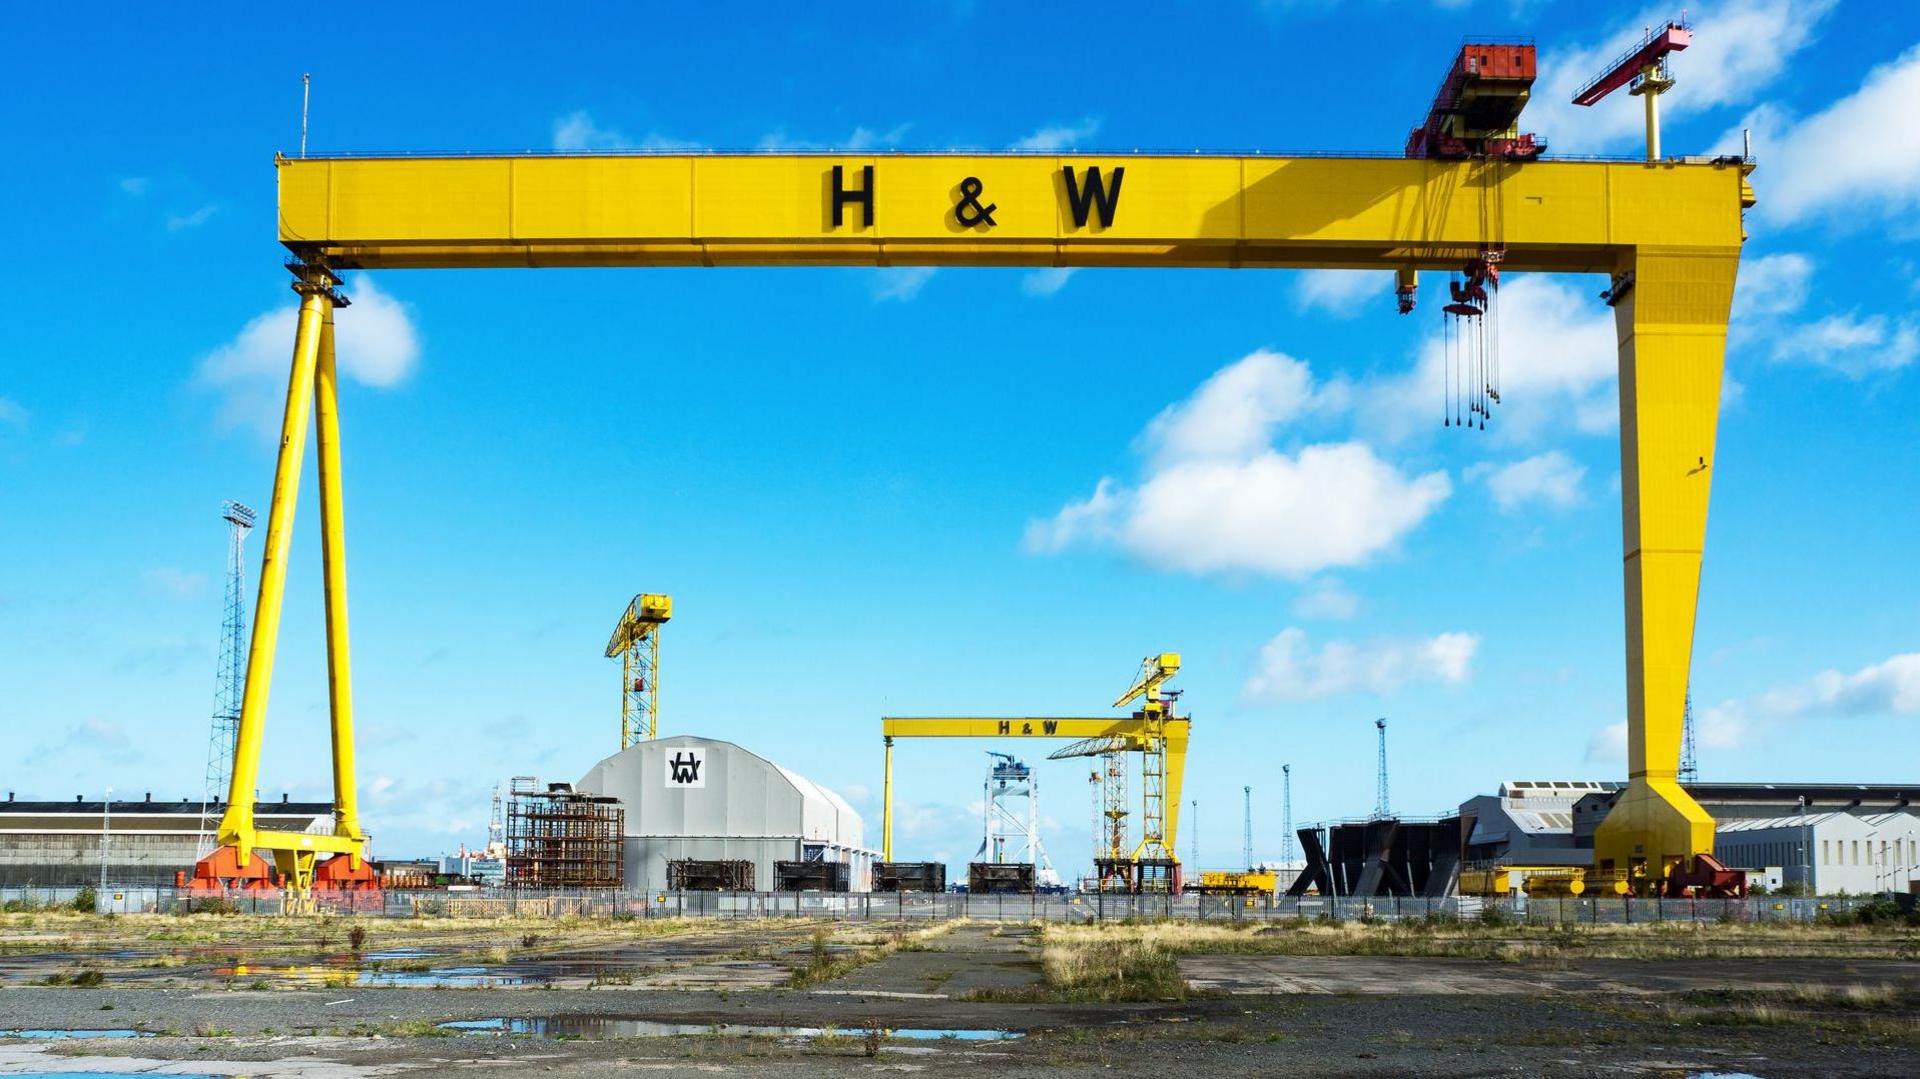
[{"x": 910, "y": 209}]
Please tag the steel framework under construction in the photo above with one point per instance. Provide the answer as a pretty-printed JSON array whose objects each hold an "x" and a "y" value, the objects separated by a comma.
[{"x": 560, "y": 838}]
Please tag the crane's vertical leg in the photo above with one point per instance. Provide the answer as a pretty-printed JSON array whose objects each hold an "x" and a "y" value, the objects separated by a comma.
[
  {"x": 1672, "y": 326},
  {"x": 333, "y": 556},
  {"x": 886, "y": 806},
  {"x": 236, "y": 825}
]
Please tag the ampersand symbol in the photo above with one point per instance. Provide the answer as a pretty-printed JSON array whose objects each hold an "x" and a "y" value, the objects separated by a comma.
[{"x": 968, "y": 210}]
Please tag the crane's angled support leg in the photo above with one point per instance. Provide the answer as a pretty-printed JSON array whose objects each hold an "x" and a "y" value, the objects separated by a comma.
[
  {"x": 236, "y": 825},
  {"x": 1672, "y": 327},
  {"x": 886, "y": 805},
  {"x": 333, "y": 556}
]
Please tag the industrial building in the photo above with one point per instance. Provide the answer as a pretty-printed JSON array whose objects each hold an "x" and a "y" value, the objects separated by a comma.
[
  {"x": 45, "y": 844},
  {"x": 1831, "y": 852},
  {"x": 1530, "y": 822},
  {"x": 1832, "y": 836},
  {"x": 690, "y": 798}
]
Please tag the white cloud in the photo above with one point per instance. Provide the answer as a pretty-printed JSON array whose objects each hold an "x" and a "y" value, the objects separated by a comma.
[
  {"x": 1342, "y": 293},
  {"x": 1550, "y": 477},
  {"x": 1558, "y": 361},
  {"x": 1854, "y": 346},
  {"x": 375, "y": 343},
  {"x": 175, "y": 583},
  {"x": 1771, "y": 285},
  {"x": 180, "y": 222},
  {"x": 104, "y": 739},
  {"x": 1888, "y": 688},
  {"x": 1740, "y": 47},
  {"x": 1326, "y": 598},
  {"x": 901, "y": 283},
  {"x": 1092, "y": 519},
  {"x": 1218, "y": 497},
  {"x": 862, "y": 138},
  {"x": 1608, "y": 744},
  {"x": 1327, "y": 506},
  {"x": 1060, "y": 136},
  {"x": 1235, "y": 411},
  {"x": 13, "y": 412},
  {"x": 1856, "y": 158},
  {"x": 1290, "y": 670},
  {"x": 578, "y": 131},
  {"x": 1047, "y": 280},
  {"x": 134, "y": 185}
]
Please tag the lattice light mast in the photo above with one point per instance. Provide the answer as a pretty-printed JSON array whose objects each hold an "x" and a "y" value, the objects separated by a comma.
[
  {"x": 1287, "y": 855},
  {"x": 230, "y": 678},
  {"x": 1246, "y": 827},
  {"x": 636, "y": 644},
  {"x": 1381, "y": 809},
  {"x": 1689, "y": 762}
]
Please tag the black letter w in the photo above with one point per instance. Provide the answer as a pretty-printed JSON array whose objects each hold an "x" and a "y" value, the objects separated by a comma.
[{"x": 1081, "y": 199}]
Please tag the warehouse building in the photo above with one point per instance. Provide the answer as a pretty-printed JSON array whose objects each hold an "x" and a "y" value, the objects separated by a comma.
[
  {"x": 1854, "y": 837},
  {"x": 690, "y": 798},
  {"x": 1831, "y": 852},
  {"x": 52, "y": 844},
  {"x": 1529, "y": 822}
]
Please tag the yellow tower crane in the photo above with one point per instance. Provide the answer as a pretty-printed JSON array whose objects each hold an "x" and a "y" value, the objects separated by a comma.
[
  {"x": 1143, "y": 865},
  {"x": 636, "y": 643}
]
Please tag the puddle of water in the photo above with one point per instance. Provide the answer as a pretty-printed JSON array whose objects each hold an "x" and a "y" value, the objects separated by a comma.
[
  {"x": 316, "y": 976},
  {"x": 399, "y": 953},
  {"x": 599, "y": 1026},
  {"x": 37, "y": 1034}
]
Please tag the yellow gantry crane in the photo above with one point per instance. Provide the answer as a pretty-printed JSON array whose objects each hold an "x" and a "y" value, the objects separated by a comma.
[
  {"x": 636, "y": 643},
  {"x": 235, "y": 863},
  {"x": 1667, "y": 232},
  {"x": 1153, "y": 731}
]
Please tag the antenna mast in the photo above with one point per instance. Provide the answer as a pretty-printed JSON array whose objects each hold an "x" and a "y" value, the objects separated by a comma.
[{"x": 306, "y": 96}]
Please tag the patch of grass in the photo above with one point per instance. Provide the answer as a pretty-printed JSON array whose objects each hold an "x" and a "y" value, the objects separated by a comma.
[{"x": 824, "y": 965}]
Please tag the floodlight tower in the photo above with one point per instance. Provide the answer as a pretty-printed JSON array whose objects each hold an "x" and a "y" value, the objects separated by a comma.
[
  {"x": 1689, "y": 762},
  {"x": 1380, "y": 808},
  {"x": 230, "y": 677},
  {"x": 1246, "y": 827},
  {"x": 1286, "y": 814}
]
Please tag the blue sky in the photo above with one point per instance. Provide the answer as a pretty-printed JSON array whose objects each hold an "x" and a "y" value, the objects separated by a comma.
[{"x": 932, "y": 492}]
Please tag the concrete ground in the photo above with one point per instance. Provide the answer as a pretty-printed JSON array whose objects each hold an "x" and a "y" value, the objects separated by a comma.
[
  {"x": 1405, "y": 975},
  {"x": 735, "y": 1000}
]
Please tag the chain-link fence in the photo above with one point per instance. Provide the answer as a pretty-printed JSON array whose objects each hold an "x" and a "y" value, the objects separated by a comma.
[{"x": 911, "y": 906}]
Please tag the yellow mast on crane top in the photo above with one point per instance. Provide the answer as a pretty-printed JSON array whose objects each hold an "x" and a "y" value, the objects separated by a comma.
[{"x": 636, "y": 641}]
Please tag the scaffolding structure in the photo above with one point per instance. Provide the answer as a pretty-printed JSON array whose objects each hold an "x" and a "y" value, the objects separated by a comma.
[{"x": 560, "y": 838}]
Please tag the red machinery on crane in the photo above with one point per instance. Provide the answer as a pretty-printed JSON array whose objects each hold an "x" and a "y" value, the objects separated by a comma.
[
  {"x": 1477, "y": 109},
  {"x": 1645, "y": 67},
  {"x": 1475, "y": 114}
]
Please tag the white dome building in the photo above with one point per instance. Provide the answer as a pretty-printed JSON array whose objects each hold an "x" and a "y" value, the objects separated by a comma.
[{"x": 700, "y": 798}]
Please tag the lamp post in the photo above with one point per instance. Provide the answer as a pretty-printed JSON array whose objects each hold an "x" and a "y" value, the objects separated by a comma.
[
  {"x": 106, "y": 841},
  {"x": 1806, "y": 849}
]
